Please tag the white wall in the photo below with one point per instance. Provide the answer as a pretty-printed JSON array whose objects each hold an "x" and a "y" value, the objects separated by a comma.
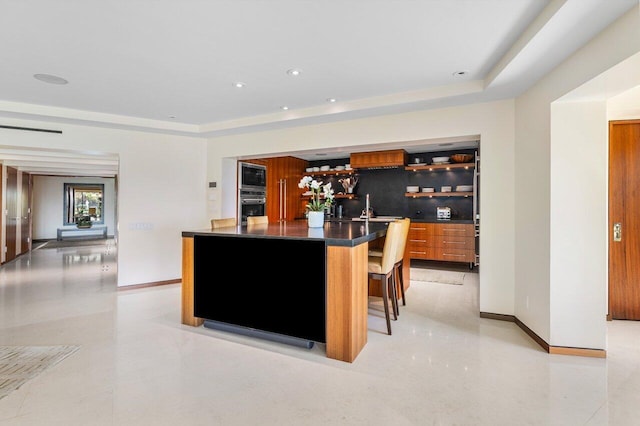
[
  {"x": 492, "y": 121},
  {"x": 48, "y": 204},
  {"x": 162, "y": 188},
  {"x": 578, "y": 245},
  {"x": 543, "y": 286}
]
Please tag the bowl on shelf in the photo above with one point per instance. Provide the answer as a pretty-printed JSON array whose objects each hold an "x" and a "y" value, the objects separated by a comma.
[
  {"x": 325, "y": 168},
  {"x": 440, "y": 160},
  {"x": 428, "y": 189},
  {"x": 464, "y": 188},
  {"x": 445, "y": 189},
  {"x": 309, "y": 169},
  {"x": 339, "y": 168},
  {"x": 316, "y": 169},
  {"x": 413, "y": 188},
  {"x": 461, "y": 158}
]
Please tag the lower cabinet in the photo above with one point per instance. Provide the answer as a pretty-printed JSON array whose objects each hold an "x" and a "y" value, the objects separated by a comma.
[{"x": 451, "y": 242}]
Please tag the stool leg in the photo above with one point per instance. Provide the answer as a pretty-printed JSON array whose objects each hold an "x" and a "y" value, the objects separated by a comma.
[
  {"x": 394, "y": 295},
  {"x": 385, "y": 298},
  {"x": 401, "y": 281}
]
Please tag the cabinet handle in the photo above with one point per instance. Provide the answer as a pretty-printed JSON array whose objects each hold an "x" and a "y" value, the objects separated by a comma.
[
  {"x": 456, "y": 255},
  {"x": 454, "y": 230},
  {"x": 284, "y": 206},
  {"x": 418, "y": 241},
  {"x": 418, "y": 252},
  {"x": 455, "y": 242}
]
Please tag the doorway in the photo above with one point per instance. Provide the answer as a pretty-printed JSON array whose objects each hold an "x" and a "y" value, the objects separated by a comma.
[{"x": 624, "y": 221}]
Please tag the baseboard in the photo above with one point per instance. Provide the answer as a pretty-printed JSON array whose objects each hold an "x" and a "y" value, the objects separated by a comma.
[
  {"x": 564, "y": 350},
  {"x": 554, "y": 350},
  {"x": 539, "y": 340},
  {"x": 151, "y": 284},
  {"x": 499, "y": 317}
]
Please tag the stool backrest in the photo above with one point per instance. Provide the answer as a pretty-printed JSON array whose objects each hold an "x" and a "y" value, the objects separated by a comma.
[
  {"x": 392, "y": 242},
  {"x": 223, "y": 223},
  {"x": 256, "y": 220},
  {"x": 402, "y": 240}
]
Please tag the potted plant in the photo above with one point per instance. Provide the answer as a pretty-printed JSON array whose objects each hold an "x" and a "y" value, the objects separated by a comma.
[
  {"x": 321, "y": 197},
  {"x": 82, "y": 219}
]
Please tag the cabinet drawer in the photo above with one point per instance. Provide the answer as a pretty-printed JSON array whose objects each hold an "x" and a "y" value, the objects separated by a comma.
[
  {"x": 418, "y": 246},
  {"x": 456, "y": 255},
  {"x": 455, "y": 242},
  {"x": 462, "y": 230},
  {"x": 420, "y": 253},
  {"x": 441, "y": 253},
  {"x": 422, "y": 240},
  {"x": 420, "y": 231}
]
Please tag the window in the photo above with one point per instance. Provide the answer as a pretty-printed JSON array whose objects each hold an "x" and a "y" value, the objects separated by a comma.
[{"x": 82, "y": 202}]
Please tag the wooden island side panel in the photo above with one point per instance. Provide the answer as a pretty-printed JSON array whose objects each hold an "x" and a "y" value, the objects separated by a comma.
[
  {"x": 347, "y": 301},
  {"x": 187, "y": 285}
]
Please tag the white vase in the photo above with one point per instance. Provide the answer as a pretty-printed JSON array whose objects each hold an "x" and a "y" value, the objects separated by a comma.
[{"x": 315, "y": 219}]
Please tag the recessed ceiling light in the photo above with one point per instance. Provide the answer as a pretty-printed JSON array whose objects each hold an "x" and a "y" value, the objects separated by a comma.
[
  {"x": 332, "y": 100},
  {"x": 320, "y": 154},
  {"x": 445, "y": 144},
  {"x": 239, "y": 84},
  {"x": 284, "y": 107},
  {"x": 51, "y": 79},
  {"x": 172, "y": 117},
  {"x": 460, "y": 73},
  {"x": 294, "y": 72}
]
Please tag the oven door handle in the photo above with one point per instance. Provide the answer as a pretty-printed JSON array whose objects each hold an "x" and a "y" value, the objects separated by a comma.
[{"x": 253, "y": 201}]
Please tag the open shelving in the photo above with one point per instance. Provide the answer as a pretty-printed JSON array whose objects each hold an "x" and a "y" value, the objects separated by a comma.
[
  {"x": 440, "y": 167},
  {"x": 437, "y": 194}
]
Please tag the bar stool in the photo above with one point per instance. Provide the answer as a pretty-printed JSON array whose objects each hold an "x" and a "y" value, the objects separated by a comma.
[
  {"x": 399, "y": 260},
  {"x": 382, "y": 268}
]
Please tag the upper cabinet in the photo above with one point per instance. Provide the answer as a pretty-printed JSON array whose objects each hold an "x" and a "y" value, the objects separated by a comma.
[{"x": 379, "y": 159}]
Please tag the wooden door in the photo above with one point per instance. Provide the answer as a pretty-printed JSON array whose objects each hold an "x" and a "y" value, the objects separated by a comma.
[
  {"x": 283, "y": 194},
  {"x": 274, "y": 171},
  {"x": 11, "y": 226},
  {"x": 294, "y": 202},
  {"x": 624, "y": 205},
  {"x": 25, "y": 213}
]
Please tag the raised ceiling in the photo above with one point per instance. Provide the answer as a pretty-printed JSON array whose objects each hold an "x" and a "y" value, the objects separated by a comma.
[{"x": 171, "y": 66}]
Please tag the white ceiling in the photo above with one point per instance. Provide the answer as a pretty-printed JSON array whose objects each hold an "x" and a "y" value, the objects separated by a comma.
[{"x": 170, "y": 66}]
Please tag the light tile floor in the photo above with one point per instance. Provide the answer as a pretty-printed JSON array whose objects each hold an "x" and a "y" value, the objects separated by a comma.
[{"x": 443, "y": 365}]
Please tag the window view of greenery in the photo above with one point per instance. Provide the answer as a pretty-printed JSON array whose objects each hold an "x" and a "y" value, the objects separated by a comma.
[{"x": 83, "y": 204}]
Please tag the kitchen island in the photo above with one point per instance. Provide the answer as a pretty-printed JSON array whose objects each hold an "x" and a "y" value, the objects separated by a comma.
[{"x": 288, "y": 279}]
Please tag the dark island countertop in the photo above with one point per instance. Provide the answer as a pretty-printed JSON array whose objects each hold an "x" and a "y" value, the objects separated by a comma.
[
  {"x": 344, "y": 233},
  {"x": 414, "y": 220}
]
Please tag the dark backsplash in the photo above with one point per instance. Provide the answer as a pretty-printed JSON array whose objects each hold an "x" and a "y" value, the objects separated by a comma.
[{"x": 386, "y": 189}]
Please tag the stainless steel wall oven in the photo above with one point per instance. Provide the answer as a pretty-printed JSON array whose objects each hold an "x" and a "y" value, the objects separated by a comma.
[{"x": 251, "y": 202}]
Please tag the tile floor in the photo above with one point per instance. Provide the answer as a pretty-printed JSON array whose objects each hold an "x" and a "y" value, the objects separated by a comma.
[{"x": 138, "y": 365}]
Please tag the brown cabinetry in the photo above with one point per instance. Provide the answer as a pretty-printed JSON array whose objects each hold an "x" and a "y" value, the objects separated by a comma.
[
  {"x": 452, "y": 242},
  {"x": 375, "y": 159},
  {"x": 283, "y": 195}
]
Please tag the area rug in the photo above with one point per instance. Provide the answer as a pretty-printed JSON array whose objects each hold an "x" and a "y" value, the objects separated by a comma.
[
  {"x": 18, "y": 364},
  {"x": 437, "y": 276}
]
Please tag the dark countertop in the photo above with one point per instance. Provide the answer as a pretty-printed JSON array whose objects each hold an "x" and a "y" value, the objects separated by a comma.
[
  {"x": 464, "y": 221},
  {"x": 344, "y": 233}
]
